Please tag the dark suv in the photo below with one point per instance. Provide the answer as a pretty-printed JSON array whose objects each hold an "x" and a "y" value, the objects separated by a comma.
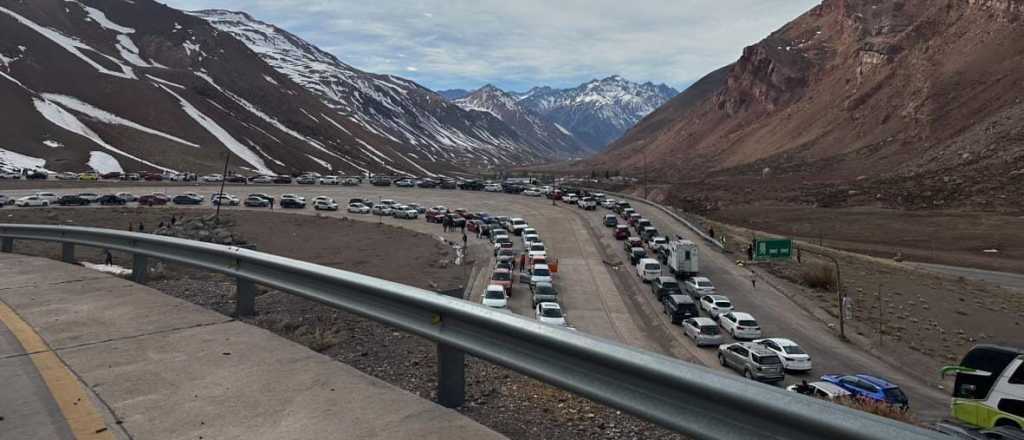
[
  {"x": 664, "y": 286},
  {"x": 72, "y": 200},
  {"x": 679, "y": 307}
]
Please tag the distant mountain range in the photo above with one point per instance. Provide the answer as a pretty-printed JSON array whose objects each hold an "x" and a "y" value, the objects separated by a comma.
[
  {"x": 594, "y": 114},
  {"x": 532, "y": 127}
]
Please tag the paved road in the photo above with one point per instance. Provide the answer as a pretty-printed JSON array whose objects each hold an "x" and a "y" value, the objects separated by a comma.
[
  {"x": 1014, "y": 281},
  {"x": 608, "y": 300}
]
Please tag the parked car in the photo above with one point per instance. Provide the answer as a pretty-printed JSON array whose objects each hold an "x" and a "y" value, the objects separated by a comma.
[
  {"x": 111, "y": 200},
  {"x": 91, "y": 197},
  {"x": 740, "y": 325},
  {"x": 715, "y": 304},
  {"x": 88, "y": 176},
  {"x": 235, "y": 178},
  {"x": 502, "y": 278},
  {"x": 648, "y": 269},
  {"x": 752, "y": 360},
  {"x": 48, "y": 196},
  {"x": 351, "y": 181},
  {"x": 820, "y": 389},
  {"x": 30, "y": 201},
  {"x": 325, "y": 205},
  {"x": 664, "y": 286},
  {"x": 282, "y": 180},
  {"x": 269, "y": 198},
  {"x": 550, "y": 313},
  {"x": 793, "y": 357},
  {"x": 405, "y": 183},
  {"x": 152, "y": 200},
  {"x": 211, "y": 178},
  {"x": 517, "y": 225},
  {"x": 306, "y": 180},
  {"x": 358, "y": 208},
  {"x": 426, "y": 183},
  {"x": 543, "y": 292},
  {"x": 256, "y": 202},
  {"x": 225, "y": 200},
  {"x": 293, "y": 197},
  {"x": 869, "y": 387},
  {"x": 72, "y": 200},
  {"x": 330, "y": 180},
  {"x": 127, "y": 197},
  {"x": 293, "y": 203},
  {"x": 494, "y": 296},
  {"x": 407, "y": 213},
  {"x": 621, "y": 232},
  {"x": 679, "y": 307},
  {"x": 187, "y": 199},
  {"x": 636, "y": 254},
  {"x": 262, "y": 180},
  {"x": 703, "y": 331},
  {"x": 539, "y": 273},
  {"x": 384, "y": 210},
  {"x": 698, "y": 286},
  {"x": 611, "y": 220}
]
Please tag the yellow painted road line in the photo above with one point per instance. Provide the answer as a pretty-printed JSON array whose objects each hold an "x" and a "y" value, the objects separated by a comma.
[{"x": 83, "y": 418}]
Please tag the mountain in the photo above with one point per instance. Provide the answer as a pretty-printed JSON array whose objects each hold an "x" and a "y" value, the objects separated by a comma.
[
  {"x": 531, "y": 127},
  {"x": 597, "y": 112},
  {"x": 453, "y": 94},
  {"x": 136, "y": 85},
  {"x": 908, "y": 103}
]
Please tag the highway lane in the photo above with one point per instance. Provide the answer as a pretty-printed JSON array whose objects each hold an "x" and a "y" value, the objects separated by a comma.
[{"x": 605, "y": 299}]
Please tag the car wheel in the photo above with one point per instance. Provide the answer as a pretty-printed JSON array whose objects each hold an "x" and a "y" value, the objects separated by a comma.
[
  {"x": 721, "y": 359},
  {"x": 45, "y": 203},
  {"x": 746, "y": 373}
]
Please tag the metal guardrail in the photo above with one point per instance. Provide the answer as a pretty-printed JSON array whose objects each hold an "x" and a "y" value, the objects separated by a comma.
[{"x": 687, "y": 398}]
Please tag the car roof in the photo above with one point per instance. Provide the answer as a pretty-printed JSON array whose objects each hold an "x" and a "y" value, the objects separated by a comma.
[
  {"x": 877, "y": 381},
  {"x": 701, "y": 320},
  {"x": 758, "y": 349},
  {"x": 681, "y": 299},
  {"x": 695, "y": 279},
  {"x": 829, "y": 387},
  {"x": 549, "y": 305},
  {"x": 719, "y": 298},
  {"x": 495, "y": 287},
  {"x": 783, "y": 342},
  {"x": 742, "y": 315},
  {"x": 665, "y": 279},
  {"x": 540, "y": 266},
  {"x": 501, "y": 270},
  {"x": 649, "y": 260}
]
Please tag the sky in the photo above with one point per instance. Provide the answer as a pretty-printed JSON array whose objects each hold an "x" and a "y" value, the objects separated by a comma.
[{"x": 518, "y": 44}]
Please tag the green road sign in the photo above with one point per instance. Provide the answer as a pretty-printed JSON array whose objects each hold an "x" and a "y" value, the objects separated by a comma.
[{"x": 773, "y": 249}]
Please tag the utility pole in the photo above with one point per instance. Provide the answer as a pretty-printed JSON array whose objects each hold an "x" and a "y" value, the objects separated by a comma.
[
  {"x": 223, "y": 179},
  {"x": 839, "y": 290}
]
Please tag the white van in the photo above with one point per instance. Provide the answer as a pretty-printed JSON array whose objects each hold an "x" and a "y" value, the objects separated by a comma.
[{"x": 648, "y": 269}]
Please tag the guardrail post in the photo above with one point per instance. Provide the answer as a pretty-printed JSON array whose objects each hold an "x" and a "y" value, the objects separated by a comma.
[
  {"x": 7, "y": 245},
  {"x": 451, "y": 371},
  {"x": 245, "y": 301},
  {"x": 139, "y": 267},
  {"x": 68, "y": 252}
]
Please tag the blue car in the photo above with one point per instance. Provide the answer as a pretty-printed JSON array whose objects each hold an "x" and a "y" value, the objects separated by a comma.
[{"x": 869, "y": 387}]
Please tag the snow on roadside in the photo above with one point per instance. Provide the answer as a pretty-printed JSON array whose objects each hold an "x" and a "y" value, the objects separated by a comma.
[
  {"x": 63, "y": 119},
  {"x": 221, "y": 134},
  {"x": 103, "y": 163},
  {"x": 10, "y": 161},
  {"x": 73, "y": 46},
  {"x": 112, "y": 269},
  {"x": 107, "y": 117}
]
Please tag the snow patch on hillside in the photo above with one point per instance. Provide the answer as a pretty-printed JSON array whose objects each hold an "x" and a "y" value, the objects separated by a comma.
[
  {"x": 107, "y": 117},
  {"x": 165, "y": 82},
  {"x": 52, "y": 143},
  {"x": 11, "y": 161},
  {"x": 103, "y": 163},
  {"x": 322, "y": 162}
]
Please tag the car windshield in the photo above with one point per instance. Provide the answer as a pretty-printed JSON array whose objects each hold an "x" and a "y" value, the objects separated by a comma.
[
  {"x": 703, "y": 283},
  {"x": 670, "y": 285},
  {"x": 502, "y": 276},
  {"x": 748, "y": 323},
  {"x": 495, "y": 294},
  {"x": 793, "y": 349},
  {"x": 537, "y": 247},
  {"x": 541, "y": 272},
  {"x": 767, "y": 360},
  {"x": 709, "y": 329},
  {"x": 895, "y": 395},
  {"x": 652, "y": 266},
  {"x": 723, "y": 304},
  {"x": 544, "y": 289},
  {"x": 551, "y": 312}
]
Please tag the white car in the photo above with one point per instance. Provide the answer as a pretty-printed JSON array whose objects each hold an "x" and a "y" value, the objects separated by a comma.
[
  {"x": 127, "y": 197},
  {"x": 530, "y": 231},
  {"x": 351, "y": 181},
  {"x": 325, "y": 205},
  {"x": 225, "y": 200},
  {"x": 493, "y": 187},
  {"x": 793, "y": 357},
  {"x": 407, "y": 213},
  {"x": 319, "y": 198},
  {"x": 609, "y": 203},
  {"x": 33, "y": 200},
  {"x": 648, "y": 269},
  {"x": 262, "y": 179},
  {"x": 740, "y": 325},
  {"x": 211, "y": 178},
  {"x": 539, "y": 273},
  {"x": 358, "y": 208},
  {"x": 715, "y": 304},
  {"x": 820, "y": 389},
  {"x": 536, "y": 249},
  {"x": 657, "y": 243},
  {"x": 517, "y": 225},
  {"x": 495, "y": 297},
  {"x": 530, "y": 238},
  {"x": 329, "y": 180},
  {"x": 698, "y": 286},
  {"x": 48, "y": 196},
  {"x": 294, "y": 197},
  {"x": 384, "y": 210},
  {"x": 532, "y": 193},
  {"x": 550, "y": 313},
  {"x": 570, "y": 198}
]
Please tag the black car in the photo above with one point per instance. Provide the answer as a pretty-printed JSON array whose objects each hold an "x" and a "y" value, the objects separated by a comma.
[
  {"x": 472, "y": 185},
  {"x": 380, "y": 181},
  {"x": 665, "y": 286},
  {"x": 236, "y": 178},
  {"x": 110, "y": 199},
  {"x": 69, "y": 200},
  {"x": 448, "y": 184},
  {"x": 306, "y": 180},
  {"x": 293, "y": 204},
  {"x": 282, "y": 179},
  {"x": 679, "y": 307},
  {"x": 611, "y": 220},
  {"x": 426, "y": 183},
  {"x": 40, "y": 175},
  {"x": 456, "y": 220},
  {"x": 636, "y": 254},
  {"x": 186, "y": 200}
]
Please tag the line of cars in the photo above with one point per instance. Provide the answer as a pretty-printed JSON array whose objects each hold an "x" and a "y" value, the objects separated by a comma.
[
  {"x": 752, "y": 355},
  {"x": 256, "y": 200}
]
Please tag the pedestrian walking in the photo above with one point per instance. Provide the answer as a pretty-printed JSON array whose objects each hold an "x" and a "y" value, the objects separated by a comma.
[
  {"x": 109, "y": 258},
  {"x": 142, "y": 227},
  {"x": 753, "y": 283},
  {"x": 522, "y": 263},
  {"x": 464, "y": 239},
  {"x": 463, "y": 228},
  {"x": 173, "y": 220},
  {"x": 750, "y": 252},
  {"x": 711, "y": 231}
]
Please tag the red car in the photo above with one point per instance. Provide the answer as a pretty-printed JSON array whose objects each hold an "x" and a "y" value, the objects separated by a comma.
[
  {"x": 153, "y": 177},
  {"x": 151, "y": 200},
  {"x": 503, "y": 278},
  {"x": 621, "y": 232}
]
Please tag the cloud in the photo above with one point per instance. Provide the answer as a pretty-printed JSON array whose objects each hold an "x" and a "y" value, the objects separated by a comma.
[{"x": 522, "y": 43}]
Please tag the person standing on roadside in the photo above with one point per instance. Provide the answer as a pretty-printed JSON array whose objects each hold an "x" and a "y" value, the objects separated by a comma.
[
  {"x": 108, "y": 259},
  {"x": 142, "y": 227}
]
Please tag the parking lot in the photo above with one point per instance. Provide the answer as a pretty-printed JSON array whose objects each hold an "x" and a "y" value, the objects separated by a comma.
[{"x": 598, "y": 288}]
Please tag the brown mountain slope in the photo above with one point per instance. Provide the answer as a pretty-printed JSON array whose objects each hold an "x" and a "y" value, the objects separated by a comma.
[{"x": 888, "y": 96}]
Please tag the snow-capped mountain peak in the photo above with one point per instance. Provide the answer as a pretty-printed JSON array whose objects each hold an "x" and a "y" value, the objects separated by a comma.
[{"x": 535, "y": 129}]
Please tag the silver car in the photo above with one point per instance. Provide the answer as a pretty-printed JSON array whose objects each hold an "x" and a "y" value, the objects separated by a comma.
[
  {"x": 754, "y": 361},
  {"x": 703, "y": 331}
]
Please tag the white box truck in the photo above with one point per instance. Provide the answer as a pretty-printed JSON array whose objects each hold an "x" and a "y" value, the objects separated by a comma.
[{"x": 682, "y": 259}]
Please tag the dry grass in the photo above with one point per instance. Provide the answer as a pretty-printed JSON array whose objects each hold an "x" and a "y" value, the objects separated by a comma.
[
  {"x": 819, "y": 276},
  {"x": 879, "y": 409},
  {"x": 318, "y": 338}
]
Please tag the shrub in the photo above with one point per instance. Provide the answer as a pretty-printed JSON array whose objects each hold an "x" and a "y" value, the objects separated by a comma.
[{"x": 819, "y": 276}]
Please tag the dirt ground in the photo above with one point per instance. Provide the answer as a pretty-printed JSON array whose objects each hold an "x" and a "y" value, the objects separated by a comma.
[{"x": 505, "y": 401}]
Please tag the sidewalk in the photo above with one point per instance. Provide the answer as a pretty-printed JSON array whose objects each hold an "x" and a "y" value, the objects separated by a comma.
[{"x": 155, "y": 367}]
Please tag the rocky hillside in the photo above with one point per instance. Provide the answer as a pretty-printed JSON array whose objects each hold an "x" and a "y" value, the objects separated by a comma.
[
  {"x": 135, "y": 85},
  {"x": 597, "y": 112},
  {"x": 534, "y": 129},
  {"x": 909, "y": 103}
]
